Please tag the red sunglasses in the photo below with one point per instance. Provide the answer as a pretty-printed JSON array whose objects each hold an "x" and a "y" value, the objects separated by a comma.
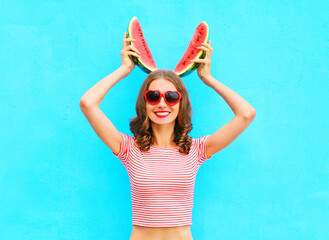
[{"x": 170, "y": 97}]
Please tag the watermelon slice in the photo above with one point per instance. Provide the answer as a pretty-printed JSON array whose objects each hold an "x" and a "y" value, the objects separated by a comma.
[
  {"x": 201, "y": 35},
  {"x": 146, "y": 61}
]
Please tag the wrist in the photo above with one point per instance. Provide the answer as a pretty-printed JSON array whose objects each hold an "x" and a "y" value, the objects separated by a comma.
[
  {"x": 206, "y": 78},
  {"x": 125, "y": 70}
]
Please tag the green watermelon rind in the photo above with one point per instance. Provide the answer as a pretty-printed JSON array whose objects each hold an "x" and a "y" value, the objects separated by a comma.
[
  {"x": 136, "y": 60},
  {"x": 201, "y": 55}
]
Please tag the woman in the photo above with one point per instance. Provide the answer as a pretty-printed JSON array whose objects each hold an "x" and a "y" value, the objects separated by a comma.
[{"x": 161, "y": 159}]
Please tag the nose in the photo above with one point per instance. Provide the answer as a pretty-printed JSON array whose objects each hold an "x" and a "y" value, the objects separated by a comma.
[{"x": 162, "y": 102}]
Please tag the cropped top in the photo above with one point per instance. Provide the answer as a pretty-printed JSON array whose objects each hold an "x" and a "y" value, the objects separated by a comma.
[{"x": 162, "y": 181}]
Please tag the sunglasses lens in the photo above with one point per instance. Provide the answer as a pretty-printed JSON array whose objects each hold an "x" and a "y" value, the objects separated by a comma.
[
  {"x": 172, "y": 98},
  {"x": 152, "y": 96}
]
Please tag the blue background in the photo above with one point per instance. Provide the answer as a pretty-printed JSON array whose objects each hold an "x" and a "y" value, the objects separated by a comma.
[{"x": 58, "y": 180}]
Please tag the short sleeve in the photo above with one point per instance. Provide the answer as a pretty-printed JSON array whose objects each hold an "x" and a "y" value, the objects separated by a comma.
[
  {"x": 201, "y": 148},
  {"x": 125, "y": 147}
]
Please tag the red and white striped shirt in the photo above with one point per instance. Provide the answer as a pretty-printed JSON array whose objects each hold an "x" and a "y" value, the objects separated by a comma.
[{"x": 162, "y": 182}]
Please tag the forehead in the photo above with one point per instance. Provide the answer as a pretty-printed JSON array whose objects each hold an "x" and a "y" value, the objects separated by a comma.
[{"x": 162, "y": 85}]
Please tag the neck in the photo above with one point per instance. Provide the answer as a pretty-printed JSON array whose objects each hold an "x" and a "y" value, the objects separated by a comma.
[{"x": 164, "y": 135}]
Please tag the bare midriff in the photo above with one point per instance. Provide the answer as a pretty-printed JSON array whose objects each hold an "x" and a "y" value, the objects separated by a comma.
[{"x": 161, "y": 233}]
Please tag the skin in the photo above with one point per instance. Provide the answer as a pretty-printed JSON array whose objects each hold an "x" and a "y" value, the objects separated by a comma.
[{"x": 166, "y": 233}]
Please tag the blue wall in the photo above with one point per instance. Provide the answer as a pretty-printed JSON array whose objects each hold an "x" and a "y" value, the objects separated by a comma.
[{"x": 58, "y": 180}]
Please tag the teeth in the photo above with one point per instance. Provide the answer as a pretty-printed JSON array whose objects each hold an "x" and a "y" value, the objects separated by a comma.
[{"x": 162, "y": 114}]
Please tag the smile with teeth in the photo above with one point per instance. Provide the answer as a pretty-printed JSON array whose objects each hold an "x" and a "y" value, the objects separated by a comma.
[{"x": 162, "y": 114}]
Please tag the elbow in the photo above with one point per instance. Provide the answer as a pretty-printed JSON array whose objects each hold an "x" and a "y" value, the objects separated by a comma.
[
  {"x": 84, "y": 104},
  {"x": 251, "y": 114}
]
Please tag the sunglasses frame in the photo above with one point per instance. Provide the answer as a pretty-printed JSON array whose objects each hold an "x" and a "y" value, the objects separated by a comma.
[{"x": 162, "y": 95}]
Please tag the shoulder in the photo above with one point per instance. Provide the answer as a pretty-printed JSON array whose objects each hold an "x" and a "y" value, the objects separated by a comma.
[
  {"x": 199, "y": 140},
  {"x": 199, "y": 144},
  {"x": 127, "y": 140}
]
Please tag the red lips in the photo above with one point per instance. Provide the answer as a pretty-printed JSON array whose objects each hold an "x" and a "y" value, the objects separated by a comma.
[{"x": 162, "y": 116}]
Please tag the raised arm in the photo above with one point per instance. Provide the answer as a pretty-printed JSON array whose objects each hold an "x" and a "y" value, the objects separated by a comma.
[
  {"x": 244, "y": 112},
  {"x": 90, "y": 101}
]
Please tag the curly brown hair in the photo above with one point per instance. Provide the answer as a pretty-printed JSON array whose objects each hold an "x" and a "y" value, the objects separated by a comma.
[{"x": 140, "y": 125}]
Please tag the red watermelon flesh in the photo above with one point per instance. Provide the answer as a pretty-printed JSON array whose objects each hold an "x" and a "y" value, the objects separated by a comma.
[
  {"x": 146, "y": 61},
  {"x": 201, "y": 35}
]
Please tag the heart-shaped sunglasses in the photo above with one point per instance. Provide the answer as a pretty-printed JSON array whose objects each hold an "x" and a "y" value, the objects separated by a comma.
[{"x": 170, "y": 97}]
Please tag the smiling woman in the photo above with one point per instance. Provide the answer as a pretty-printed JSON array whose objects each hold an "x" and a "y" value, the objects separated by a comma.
[{"x": 161, "y": 159}]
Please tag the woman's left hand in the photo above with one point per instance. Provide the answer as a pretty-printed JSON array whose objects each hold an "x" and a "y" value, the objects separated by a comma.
[{"x": 204, "y": 67}]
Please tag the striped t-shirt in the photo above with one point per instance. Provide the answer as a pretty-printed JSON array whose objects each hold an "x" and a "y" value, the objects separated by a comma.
[{"x": 162, "y": 182}]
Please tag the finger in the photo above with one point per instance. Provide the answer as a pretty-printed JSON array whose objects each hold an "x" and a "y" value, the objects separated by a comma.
[
  {"x": 129, "y": 40},
  {"x": 133, "y": 54},
  {"x": 123, "y": 42},
  {"x": 208, "y": 52},
  {"x": 207, "y": 45},
  {"x": 204, "y": 48},
  {"x": 199, "y": 61},
  {"x": 131, "y": 47}
]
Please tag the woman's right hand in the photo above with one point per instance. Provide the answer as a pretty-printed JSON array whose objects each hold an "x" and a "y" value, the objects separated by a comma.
[{"x": 127, "y": 51}]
